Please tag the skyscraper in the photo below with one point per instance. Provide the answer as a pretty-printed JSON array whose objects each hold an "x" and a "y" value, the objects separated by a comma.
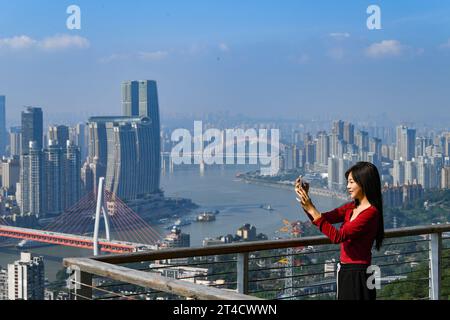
[
  {"x": 97, "y": 148},
  {"x": 349, "y": 133},
  {"x": 398, "y": 173},
  {"x": 62, "y": 177},
  {"x": 59, "y": 134},
  {"x": 445, "y": 178},
  {"x": 130, "y": 98},
  {"x": 362, "y": 141},
  {"x": 121, "y": 174},
  {"x": 54, "y": 178},
  {"x": 78, "y": 135},
  {"x": 334, "y": 144},
  {"x": 3, "y": 284},
  {"x": 410, "y": 172},
  {"x": 323, "y": 148},
  {"x": 87, "y": 178},
  {"x": 333, "y": 173},
  {"x": 3, "y": 133},
  {"x": 130, "y": 159},
  {"x": 31, "y": 181},
  {"x": 15, "y": 143},
  {"x": 338, "y": 129},
  {"x": 32, "y": 126},
  {"x": 72, "y": 175},
  {"x": 147, "y": 100},
  {"x": 406, "y": 143},
  {"x": 26, "y": 278},
  {"x": 10, "y": 173},
  {"x": 424, "y": 172},
  {"x": 310, "y": 154},
  {"x": 446, "y": 149}
]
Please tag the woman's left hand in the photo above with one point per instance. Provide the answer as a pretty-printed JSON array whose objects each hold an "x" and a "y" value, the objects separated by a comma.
[{"x": 305, "y": 200}]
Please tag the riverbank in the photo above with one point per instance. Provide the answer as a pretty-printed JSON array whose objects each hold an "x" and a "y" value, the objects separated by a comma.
[{"x": 290, "y": 186}]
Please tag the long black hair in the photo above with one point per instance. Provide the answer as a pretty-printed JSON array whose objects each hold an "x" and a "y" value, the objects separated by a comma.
[{"x": 366, "y": 175}]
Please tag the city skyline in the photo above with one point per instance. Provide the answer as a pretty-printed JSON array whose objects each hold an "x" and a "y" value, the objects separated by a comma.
[
  {"x": 142, "y": 132},
  {"x": 299, "y": 59}
]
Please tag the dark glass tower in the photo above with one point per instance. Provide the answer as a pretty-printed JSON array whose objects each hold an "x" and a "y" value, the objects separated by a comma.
[
  {"x": 130, "y": 98},
  {"x": 144, "y": 94},
  {"x": 32, "y": 126}
]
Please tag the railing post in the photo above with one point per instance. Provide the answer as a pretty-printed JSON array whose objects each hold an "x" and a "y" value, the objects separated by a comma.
[
  {"x": 242, "y": 273},
  {"x": 80, "y": 283},
  {"x": 435, "y": 265}
]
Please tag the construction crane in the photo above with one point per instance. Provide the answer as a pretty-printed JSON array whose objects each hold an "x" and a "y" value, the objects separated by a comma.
[{"x": 294, "y": 229}]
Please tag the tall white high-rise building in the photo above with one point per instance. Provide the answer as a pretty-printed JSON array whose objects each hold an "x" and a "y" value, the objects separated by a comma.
[
  {"x": 59, "y": 134},
  {"x": 344, "y": 164},
  {"x": 406, "y": 143},
  {"x": 32, "y": 181},
  {"x": 410, "y": 172},
  {"x": 338, "y": 129},
  {"x": 15, "y": 141},
  {"x": 333, "y": 173},
  {"x": 3, "y": 133},
  {"x": 398, "y": 173},
  {"x": 445, "y": 178},
  {"x": 10, "y": 173},
  {"x": 72, "y": 174},
  {"x": 423, "y": 172},
  {"x": 80, "y": 138},
  {"x": 26, "y": 278},
  {"x": 349, "y": 133},
  {"x": 323, "y": 148},
  {"x": 362, "y": 141},
  {"x": 3, "y": 284},
  {"x": 54, "y": 178}
]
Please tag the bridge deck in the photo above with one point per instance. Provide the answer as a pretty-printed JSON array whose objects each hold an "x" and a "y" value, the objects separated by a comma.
[{"x": 71, "y": 240}]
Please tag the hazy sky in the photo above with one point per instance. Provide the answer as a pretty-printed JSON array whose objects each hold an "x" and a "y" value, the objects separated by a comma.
[{"x": 261, "y": 58}]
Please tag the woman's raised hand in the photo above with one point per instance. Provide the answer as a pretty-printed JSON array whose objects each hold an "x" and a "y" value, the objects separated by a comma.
[{"x": 302, "y": 196}]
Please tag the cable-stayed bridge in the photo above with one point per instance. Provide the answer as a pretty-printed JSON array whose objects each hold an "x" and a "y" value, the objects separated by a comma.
[{"x": 99, "y": 223}]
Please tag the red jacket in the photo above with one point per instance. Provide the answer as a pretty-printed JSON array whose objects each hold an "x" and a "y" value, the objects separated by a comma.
[{"x": 356, "y": 237}]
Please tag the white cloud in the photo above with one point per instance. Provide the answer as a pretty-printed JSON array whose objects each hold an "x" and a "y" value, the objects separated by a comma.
[
  {"x": 17, "y": 42},
  {"x": 114, "y": 57},
  {"x": 152, "y": 56},
  {"x": 57, "y": 42},
  {"x": 141, "y": 55},
  {"x": 64, "y": 41},
  {"x": 339, "y": 35},
  {"x": 385, "y": 48}
]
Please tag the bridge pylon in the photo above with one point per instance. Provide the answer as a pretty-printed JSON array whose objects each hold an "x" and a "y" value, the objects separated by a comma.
[{"x": 100, "y": 209}]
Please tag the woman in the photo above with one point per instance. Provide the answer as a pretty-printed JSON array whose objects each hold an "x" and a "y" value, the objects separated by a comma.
[{"x": 362, "y": 224}]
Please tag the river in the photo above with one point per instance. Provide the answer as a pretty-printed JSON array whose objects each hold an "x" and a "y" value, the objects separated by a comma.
[{"x": 216, "y": 189}]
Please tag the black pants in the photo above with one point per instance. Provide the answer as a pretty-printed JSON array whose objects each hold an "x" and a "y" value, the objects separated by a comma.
[{"x": 352, "y": 283}]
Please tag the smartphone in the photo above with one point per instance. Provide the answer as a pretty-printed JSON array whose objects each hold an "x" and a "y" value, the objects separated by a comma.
[{"x": 305, "y": 185}]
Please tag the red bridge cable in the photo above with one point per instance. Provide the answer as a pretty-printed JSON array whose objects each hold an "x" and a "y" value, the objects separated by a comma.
[
  {"x": 123, "y": 214},
  {"x": 69, "y": 211},
  {"x": 129, "y": 236},
  {"x": 157, "y": 235},
  {"x": 66, "y": 219}
]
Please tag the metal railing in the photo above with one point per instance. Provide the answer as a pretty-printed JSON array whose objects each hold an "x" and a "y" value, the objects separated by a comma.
[{"x": 413, "y": 259}]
